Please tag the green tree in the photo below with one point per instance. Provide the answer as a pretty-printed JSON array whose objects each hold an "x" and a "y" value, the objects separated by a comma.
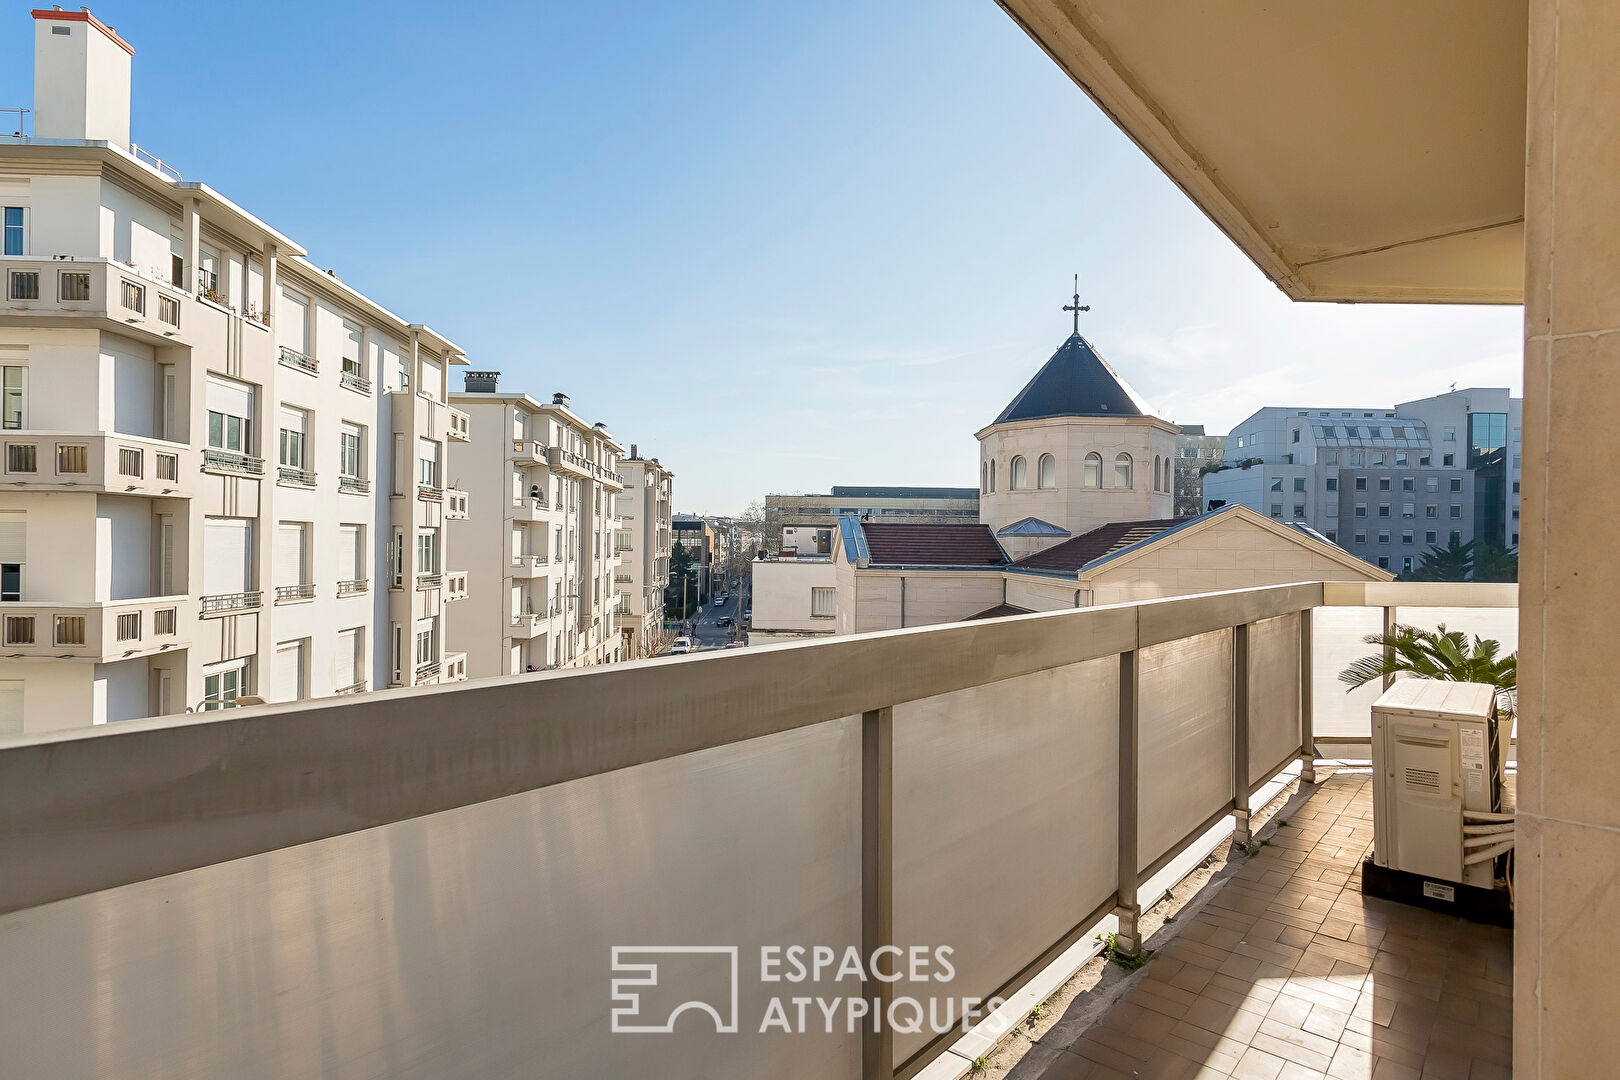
[
  {"x": 1493, "y": 562},
  {"x": 680, "y": 562},
  {"x": 1438, "y": 654},
  {"x": 1454, "y": 562}
]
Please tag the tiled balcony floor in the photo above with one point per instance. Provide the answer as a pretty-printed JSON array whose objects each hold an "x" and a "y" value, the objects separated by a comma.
[{"x": 1287, "y": 972}]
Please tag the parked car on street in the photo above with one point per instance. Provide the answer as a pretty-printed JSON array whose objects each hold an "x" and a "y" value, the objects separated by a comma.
[
  {"x": 725, "y": 620},
  {"x": 735, "y": 644},
  {"x": 682, "y": 645},
  {"x": 720, "y": 600}
]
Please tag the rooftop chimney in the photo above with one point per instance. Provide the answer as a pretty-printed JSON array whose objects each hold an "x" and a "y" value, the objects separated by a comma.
[
  {"x": 81, "y": 78},
  {"x": 633, "y": 453},
  {"x": 599, "y": 426},
  {"x": 480, "y": 382},
  {"x": 559, "y": 398}
]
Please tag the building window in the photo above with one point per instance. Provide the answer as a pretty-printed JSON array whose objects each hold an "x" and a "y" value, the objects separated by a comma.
[
  {"x": 1361, "y": 536},
  {"x": 1361, "y": 509},
  {"x": 427, "y": 552},
  {"x": 1431, "y": 483},
  {"x": 1019, "y": 474},
  {"x": 1383, "y": 510},
  {"x": 1450, "y": 435},
  {"x": 1408, "y": 510},
  {"x": 1408, "y": 483},
  {"x": 1431, "y": 511},
  {"x": 1333, "y": 536},
  {"x": 1277, "y": 484},
  {"x": 1330, "y": 457},
  {"x": 1456, "y": 537},
  {"x": 1383, "y": 562},
  {"x": 349, "y": 448},
  {"x": 1400, "y": 456},
  {"x": 428, "y": 463},
  {"x": 823, "y": 603},
  {"x": 1515, "y": 487},
  {"x": 1361, "y": 483},
  {"x": 1299, "y": 511},
  {"x": 1276, "y": 511},
  {"x": 1122, "y": 471},
  {"x": 294, "y": 437},
  {"x": 222, "y": 688},
  {"x": 1456, "y": 483},
  {"x": 1383, "y": 483},
  {"x": 133, "y": 296},
  {"x": 1333, "y": 483},
  {"x": 1383, "y": 538},
  {"x": 1406, "y": 564},
  {"x": 16, "y": 230},
  {"x": 1431, "y": 537},
  {"x": 1456, "y": 510},
  {"x": 1046, "y": 472},
  {"x": 1093, "y": 471},
  {"x": 1299, "y": 483},
  {"x": 1448, "y": 461},
  {"x": 230, "y": 415},
  {"x": 1406, "y": 538},
  {"x": 15, "y": 399}
]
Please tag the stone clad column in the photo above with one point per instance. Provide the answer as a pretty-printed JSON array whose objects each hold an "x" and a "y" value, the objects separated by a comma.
[{"x": 1566, "y": 991}]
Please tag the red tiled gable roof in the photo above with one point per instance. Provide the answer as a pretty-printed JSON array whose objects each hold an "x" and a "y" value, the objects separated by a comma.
[
  {"x": 997, "y": 612},
  {"x": 1103, "y": 540},
  {"x": 932, "y": 545}
]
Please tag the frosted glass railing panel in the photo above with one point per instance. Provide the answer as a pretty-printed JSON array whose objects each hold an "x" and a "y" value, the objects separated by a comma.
[
  {"x": 1273, "y": 694},
  {"x": 1500, "y": 624},
  {"x": 476, "y": 941},
  {"x": 1336, "y": 642},
  {"x": 1186, "y": 732},
  {"x": 1005, "y": 822}
]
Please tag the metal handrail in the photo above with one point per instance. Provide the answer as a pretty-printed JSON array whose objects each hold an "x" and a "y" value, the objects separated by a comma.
[
  {"x": 237, "y": 601},
  {"x": 352, "y": 586},
  {"x": 355, "y": 382},
  {"x": 356, "y": 484},
  {"x": 232, "y": 460},
  {"x": 295, "y": 359},
  {"x": 294, "y": 475},
  {"x": 305, "y": 591}
]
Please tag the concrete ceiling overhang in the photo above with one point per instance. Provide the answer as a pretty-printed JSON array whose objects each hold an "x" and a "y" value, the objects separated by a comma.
[{"x": 1355, "y": 151}]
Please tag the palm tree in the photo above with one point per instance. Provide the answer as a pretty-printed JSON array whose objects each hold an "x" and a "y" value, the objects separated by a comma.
[
  {"x": 1493, "y": 562},
  {"x": 1454, "y": 562},
  {"x": 1438, "y": 654}
]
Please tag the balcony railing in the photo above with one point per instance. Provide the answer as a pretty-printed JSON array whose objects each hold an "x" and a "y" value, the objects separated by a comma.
[
  {"x": 354, "y": 485},
  {"x": 238, "y": 601},
  {"x": 455, "y": 585},
  {"x": 429, "y": 492},
  {"x": 427, "y": 669},
  {"x": 429, "y": 580},
  {"x": 352, "y": 688},
  {"x": 285, "y": 593},
  {"x": 291, "y": 474},
  {"x": 460, "y": 426},
  {"x": 352, "y": 587},
  {"x": 231, "y": 461},
  {"x": 569, "y": 462},
  {"x": 455, "y": 667},
  {"x": 300, "y": 361},
  {"x": 92, "y": 462},
  {"x": 455, "y": 504},
  {"x": 529, "y": 451},
  {"x": 1104, "y": 749},
  {"x": 355, "y": 381},
  {"x": 101, "y": 631}
]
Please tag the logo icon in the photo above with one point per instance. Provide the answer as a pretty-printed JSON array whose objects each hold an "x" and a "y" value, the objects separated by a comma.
[{"x": 633, "y": 979}]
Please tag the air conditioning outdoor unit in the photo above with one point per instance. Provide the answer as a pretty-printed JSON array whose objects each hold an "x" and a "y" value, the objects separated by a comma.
[{"x": 1439, "y": 757}]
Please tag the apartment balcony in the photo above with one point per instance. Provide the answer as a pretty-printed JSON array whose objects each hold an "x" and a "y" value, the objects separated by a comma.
[
  {"x": 295, "y": 594},
  {"x": 41, "y": 291},
  {"x": 293, "y": 476},
  {"x": 354, "y": 485},
  {"x": 527, "y": 624},
  {"x": 571, "y": 464},
  {"x": 460, "y": 429},
  {"x": 527, "y": 566},
  {"x": 429, "y": 580},
  {"x": 428, "y": 669},
  {"x": 455, "y": 504},
  {"x": 114, "y": 464},
  {"x": 352, "y": 587},
  {"x": 231, "y": 463},
  {"x": 528, "y": 508},
  {"x": 231, "y": 603},
  {"x": 101, "y": 632},
  {"x": 455, "y": 667},
  {"x": 430, "y": 492},
  {"x": 351, "y": 379},
  {"x": 529, "y": 452},
  {"x": 289, "y": 357},
  {"x": 1007, "y": 788},
  {"x": 455, "y": 585},
  {"x": 352, "y": 688}
]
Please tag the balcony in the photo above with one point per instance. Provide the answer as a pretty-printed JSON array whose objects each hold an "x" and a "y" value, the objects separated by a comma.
[
  {"x": 354, "y": 485},
  {"x": 527, "y": 624},
  {"x": 352, "y": 688},
  {"x": 428, "y": 669},
  {"x": 455, "y": 667},
  {"x": 571, "y": 464},
  {"x": 296, "y": 360},
  {"x": 971, "y": 785},
  {"x": 529, "y": 452},
  {"x": 229, "y": 461},
  {"x": 429, "y": 580},
  {"x": 227, "y": 603},
  {"x": 47, "y": 292},
  {"x": 114, "y": 464},
  {"x": 455, "y": 504},
  {"x": 291, "y": 594},
  {"x": 429, "y": 492},
  {"x": 455, "y": 585},
  {"x": 351, "y": 379},
  {"x": 524, "y": 566},
  {"x": 292, "y": 476},
  {"x": 100, "y": 632},
  {"x": 460, "y": 426},
  {"x": 352, "y": 587},
  {"x": 528, "y": 508}
]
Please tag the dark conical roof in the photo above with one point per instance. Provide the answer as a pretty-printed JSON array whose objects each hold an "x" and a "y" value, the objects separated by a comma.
[{"x": 1075, "y": 382}]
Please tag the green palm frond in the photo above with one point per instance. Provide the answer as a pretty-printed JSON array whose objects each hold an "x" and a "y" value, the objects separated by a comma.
[{"x": 1435, "y": 654}]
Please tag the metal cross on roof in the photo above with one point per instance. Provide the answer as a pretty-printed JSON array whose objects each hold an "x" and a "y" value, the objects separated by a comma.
[{"x": 1076, "y": 307}]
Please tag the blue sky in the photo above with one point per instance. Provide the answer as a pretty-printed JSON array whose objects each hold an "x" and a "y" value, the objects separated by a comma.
[{"x": 780, "y": 246}]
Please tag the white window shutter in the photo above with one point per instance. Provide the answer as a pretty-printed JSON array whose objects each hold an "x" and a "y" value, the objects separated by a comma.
[{"x": 226, "y": 555}]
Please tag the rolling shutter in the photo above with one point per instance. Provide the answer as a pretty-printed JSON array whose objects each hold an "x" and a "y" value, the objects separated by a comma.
[
  {"x": 226, "y": 555},
  {"x": 290, "y": 554},
  {"x": 287, "y": 672},
  {"x": 13, "y": 536},
  {"x": 229, "y": 397},
  {"x": 293, "y": 319},
  {"x": 349, "y": 560},
  {"x": 346, "y": 659}
]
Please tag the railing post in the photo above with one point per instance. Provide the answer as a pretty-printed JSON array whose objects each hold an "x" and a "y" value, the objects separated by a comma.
[
  {"x": 1128, "y": 939},
  {"x": 1389, "y": 650},
  {"x": 1240, "y": 732},
  {"x": 877, "y": 884},
  {"x": 1307, "y": 703}
]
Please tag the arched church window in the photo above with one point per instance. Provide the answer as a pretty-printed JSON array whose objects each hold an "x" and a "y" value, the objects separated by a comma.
[
  {"x": 1093, "y": 470},
  {"x": 1155, "y": 472},
  {"x": 1122, "y": 471},
  {"x": 1046, "y": 472},
  {"x": 1020, "y": 474}
]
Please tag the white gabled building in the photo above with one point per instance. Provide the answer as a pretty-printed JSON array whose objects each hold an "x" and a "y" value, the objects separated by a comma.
[
  {"x": 643, "y": 546},
  {"x": 539, "y": 551},
  {"x": 220, "y": 467}
]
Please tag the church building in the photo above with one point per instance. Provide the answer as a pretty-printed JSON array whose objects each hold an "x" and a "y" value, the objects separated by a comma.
[{"x": 1076, "y": 508}]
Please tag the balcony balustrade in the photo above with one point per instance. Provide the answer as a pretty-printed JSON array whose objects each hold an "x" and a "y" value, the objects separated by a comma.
[
  {"x": 298, "y": 361},
  {"x": 529, "y": 452},
  {"x": 460, "y": 429},
  {"x": 219, "y": 603},
  {"x": 352, "y": 379},
  {"x": 1090, "y": 757},
  {"x": 455, "y": 585},
  {"x": 430, "y": 580},
  {"x": 62, "y": 461},
  {"x": 105, "y": 631},
  {"x": 429, "y": 492},
  {"x": 352, "y": 587},
  {"x": 230, "y": 461},
  {"x": 354, "y": 485},
  {"x": 427, "y": 670},
  {"x": 289, "y": 593},
  {"x": 352, "y": 688},
  {"x": 572, "y": 464},
  {"x": 291, "y": 474},
  {"x": 455, "y": 504}
]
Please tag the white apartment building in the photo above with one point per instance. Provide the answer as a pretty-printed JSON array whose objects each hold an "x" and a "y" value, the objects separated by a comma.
[
  {"x": 643, "y": 545},
  {"x": 221, "y": 472},
  {"x": 539, "y": 573},
  {"x": 1385, "y": 484}
]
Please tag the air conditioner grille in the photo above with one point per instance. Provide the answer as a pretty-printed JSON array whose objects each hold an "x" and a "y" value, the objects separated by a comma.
[{"x": 1423, "y": 779}]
